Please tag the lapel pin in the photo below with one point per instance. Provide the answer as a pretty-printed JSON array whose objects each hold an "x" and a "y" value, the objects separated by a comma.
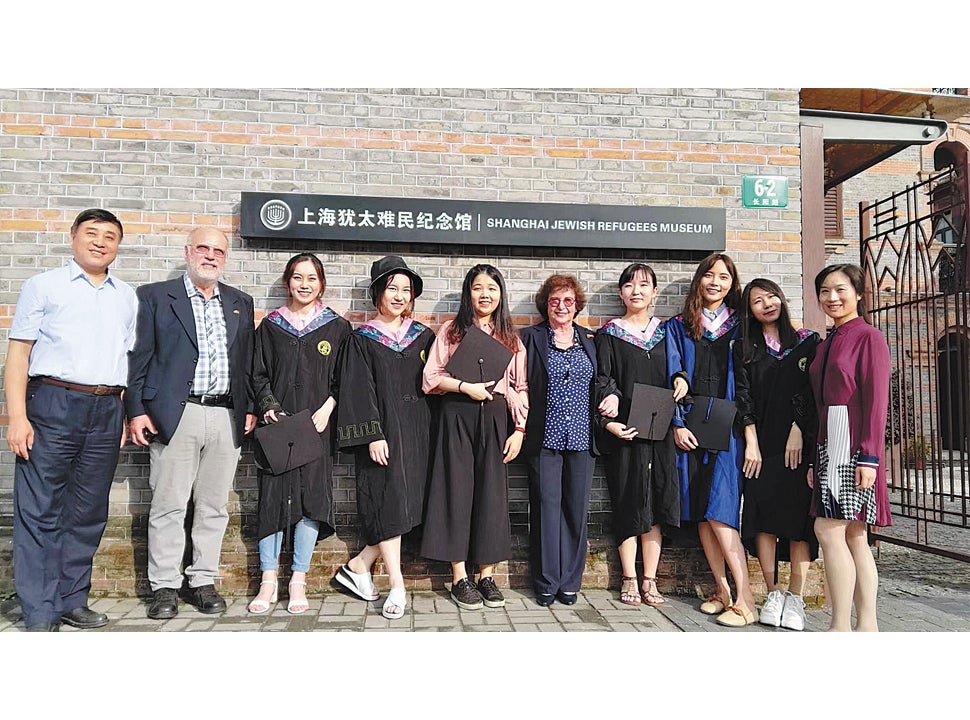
[{"x": 235, "y": 312}]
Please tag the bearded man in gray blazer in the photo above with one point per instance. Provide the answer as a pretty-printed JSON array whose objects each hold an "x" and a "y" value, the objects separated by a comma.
[{"x": 189, "y": 401}]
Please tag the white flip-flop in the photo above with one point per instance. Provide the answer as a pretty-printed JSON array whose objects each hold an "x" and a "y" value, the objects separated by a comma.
[{"x": 396, "y": 597}]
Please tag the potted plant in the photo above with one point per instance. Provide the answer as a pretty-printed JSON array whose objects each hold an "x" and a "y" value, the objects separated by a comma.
[{"x": 918, "y": 449}]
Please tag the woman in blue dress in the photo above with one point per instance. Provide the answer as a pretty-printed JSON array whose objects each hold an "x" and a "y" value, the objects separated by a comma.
[{"x": 701, "y": 340}]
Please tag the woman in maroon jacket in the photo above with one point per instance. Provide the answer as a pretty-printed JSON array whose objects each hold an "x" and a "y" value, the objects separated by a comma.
[{"x": 850, "y": 381}]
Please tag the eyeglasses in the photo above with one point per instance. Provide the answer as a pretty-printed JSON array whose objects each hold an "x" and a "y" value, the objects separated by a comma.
[
  {"x": 204, "y": 250},
  {"x": 565, "y": 302}
]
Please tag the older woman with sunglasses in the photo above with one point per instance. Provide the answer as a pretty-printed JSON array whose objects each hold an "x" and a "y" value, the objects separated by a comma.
[{"x": 559, "y": 442}]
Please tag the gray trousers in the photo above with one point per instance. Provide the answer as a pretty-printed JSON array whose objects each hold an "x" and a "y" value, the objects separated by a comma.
[{"x": 199, "y": 462}]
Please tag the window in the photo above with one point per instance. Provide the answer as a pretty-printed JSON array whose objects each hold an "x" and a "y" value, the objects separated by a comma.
[{"x": 833, "y": 213}]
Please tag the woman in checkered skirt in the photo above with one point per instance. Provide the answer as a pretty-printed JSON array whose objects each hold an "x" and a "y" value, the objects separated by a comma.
[{"x": 850, "y": 381}]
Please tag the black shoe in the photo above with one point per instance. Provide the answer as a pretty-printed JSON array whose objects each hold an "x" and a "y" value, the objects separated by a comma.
[
  {"x": 44, "y": 627},
  {"x": 466, "y": 595},
  {"x": 206, "y": 599},
  {"x": 491, "y": 595},
  {"x": 567, "y": 598},
  {"x": 165, "y": 604},
  {"x": 84, "y": 618},
  {"x": 545, "y": 599}
]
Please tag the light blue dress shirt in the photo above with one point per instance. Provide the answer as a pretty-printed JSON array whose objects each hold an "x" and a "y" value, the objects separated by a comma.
[{"x": 81, "y": 333}]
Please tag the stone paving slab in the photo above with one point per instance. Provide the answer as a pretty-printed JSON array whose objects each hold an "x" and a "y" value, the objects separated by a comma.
[{"x": 910, "y": 599}]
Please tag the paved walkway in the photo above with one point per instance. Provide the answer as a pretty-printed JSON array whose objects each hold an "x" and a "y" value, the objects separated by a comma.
[{"x": 918, "y": 592}]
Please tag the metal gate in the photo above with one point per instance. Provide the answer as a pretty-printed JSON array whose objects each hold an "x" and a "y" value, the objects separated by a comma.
[{"x": 914, "y": 254}]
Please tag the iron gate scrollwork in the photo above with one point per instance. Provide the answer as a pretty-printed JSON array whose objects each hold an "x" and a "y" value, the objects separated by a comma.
[{"x": 914, "y": 254}]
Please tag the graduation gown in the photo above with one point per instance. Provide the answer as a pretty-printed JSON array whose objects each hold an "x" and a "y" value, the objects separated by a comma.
[
  {"x": 293, "y": 370},
  {"x": 640, "y": 473},
  {"x": 381, "y": 399},
  {"x": 773, "y": 391},
  {"x": 710, "y": 482}
]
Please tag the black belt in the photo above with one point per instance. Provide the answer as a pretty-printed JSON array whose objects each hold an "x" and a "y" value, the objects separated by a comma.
[
  {"x": 212, "y": 400},
  {"x": 92, "y": 389}
]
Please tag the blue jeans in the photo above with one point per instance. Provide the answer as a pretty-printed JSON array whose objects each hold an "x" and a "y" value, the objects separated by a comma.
[{"x": 304, "y": 538}]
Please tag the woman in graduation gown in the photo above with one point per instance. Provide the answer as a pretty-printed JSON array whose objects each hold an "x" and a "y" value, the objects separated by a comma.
[
  {"x": 293, "y": 367},
  {"x": 850, "y": 382},
  {"x": 467, "y": 511},
  {"x": 640, "y": 473},
  {"x": 385, "y": 418},
  {"x": 777, "y": 413},
  {"x": 700, "y": 344}
]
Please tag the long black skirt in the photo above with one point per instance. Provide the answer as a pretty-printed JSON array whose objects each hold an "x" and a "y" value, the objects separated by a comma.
[
  {"x": 467, "y": 512},
  {"x": 778, "y": 503},
  {"x": 643, "y": 485}
]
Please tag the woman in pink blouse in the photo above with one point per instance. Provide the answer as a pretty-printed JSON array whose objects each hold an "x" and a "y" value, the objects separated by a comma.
[
  {"x": 850, "y": 381},
  {"x": 467, "y": 511}
]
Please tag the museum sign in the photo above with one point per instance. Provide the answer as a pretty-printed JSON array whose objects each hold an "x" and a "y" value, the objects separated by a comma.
[{"x": 267, "y": 216}]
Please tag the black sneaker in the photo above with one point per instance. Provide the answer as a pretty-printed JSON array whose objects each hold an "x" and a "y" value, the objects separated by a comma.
[
  {"x": 465, "y": 595},
  {"x": 491, "y": 595}
]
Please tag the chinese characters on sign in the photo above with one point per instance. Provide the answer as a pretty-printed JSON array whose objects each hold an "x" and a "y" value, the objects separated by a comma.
[
  {"x": 470, "y": 222},
  {"x": 764, "y": 191},
  {"x": 346, "y": 217}
]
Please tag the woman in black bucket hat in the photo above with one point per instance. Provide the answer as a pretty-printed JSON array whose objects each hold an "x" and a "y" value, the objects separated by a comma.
[{"x": 384, "y": 417}]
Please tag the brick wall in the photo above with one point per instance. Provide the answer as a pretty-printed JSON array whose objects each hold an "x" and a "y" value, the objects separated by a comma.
[{"x": 167, "y": 160}]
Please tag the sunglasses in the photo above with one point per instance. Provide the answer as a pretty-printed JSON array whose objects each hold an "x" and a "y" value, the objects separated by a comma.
[{"x": 566, "y": 302}]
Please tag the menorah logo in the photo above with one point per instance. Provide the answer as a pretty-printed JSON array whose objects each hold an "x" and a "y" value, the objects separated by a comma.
[{"x": 275, "y": 215}]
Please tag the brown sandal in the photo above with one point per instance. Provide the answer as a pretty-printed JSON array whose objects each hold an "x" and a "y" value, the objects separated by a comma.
[
  {"x": 651, "y": 594},
  {"x": 628, "y": 595}
]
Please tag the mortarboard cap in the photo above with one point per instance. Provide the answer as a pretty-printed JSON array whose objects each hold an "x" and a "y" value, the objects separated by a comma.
[
  {"x": 288, "y": 444},
  {"x": 651, "y": 409},
  {"x": 711, "y": 420},
  {"x": 479, "y": 358}
]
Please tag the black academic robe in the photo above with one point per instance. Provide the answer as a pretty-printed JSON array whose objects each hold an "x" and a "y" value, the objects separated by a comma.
[
  {"x": 773, "y": 392},
  {"x": 381, "y": 399},
  {"x": 640, "y": 473},
  {"x": 292, "y": 371}
]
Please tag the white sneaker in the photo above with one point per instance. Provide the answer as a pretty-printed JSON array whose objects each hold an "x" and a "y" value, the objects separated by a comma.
[
  {"x": 793, "y": 616},
  {"x": 773, "y": 609}
]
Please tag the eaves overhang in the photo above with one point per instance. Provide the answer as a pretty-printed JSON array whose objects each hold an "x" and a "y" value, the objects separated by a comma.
[{"x": 864, "y": 126}]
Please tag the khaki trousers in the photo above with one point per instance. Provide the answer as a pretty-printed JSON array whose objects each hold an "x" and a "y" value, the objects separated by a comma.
[{"x": 198, "y": 463}]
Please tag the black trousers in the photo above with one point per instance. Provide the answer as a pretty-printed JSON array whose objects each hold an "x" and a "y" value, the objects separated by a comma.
[
  {"x": 467, "y": 513},
  {"x": 559, "y": 487},
  {"x": 61, "y": 497}
]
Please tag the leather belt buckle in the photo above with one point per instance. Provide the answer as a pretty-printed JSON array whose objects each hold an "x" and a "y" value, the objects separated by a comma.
[{"x": 212, "y": 400}]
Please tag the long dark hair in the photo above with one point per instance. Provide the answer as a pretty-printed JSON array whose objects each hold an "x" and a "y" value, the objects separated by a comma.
[
  {"x": 693, "y": 304},
  {"x": 752, "y": 331},
  {"x": 856, "y": 277},
  {"x": 501, "y": 319},
  {"x": 313, "y": 260},
  {"x": 631, "y": 270}
]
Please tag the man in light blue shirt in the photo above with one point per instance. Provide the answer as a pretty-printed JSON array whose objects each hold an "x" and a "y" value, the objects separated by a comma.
[{"x": 66, "y": 370}]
